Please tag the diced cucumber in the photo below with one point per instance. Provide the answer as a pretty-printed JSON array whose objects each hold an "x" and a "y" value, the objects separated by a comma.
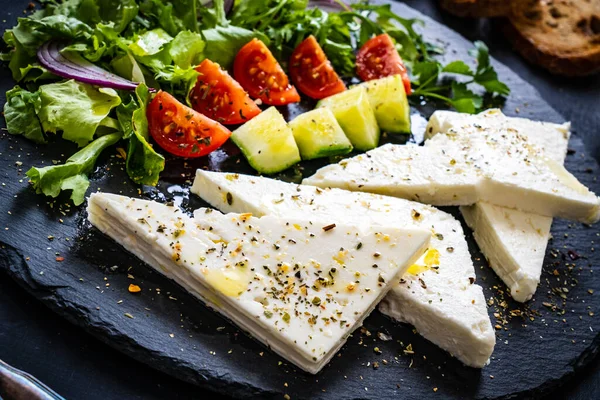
[
  {"x": 356, "y": 117},
  {"x": 318, "y": 134},
  {"x": 267, "y": 142},
  {"x": 390, "y": 104}
]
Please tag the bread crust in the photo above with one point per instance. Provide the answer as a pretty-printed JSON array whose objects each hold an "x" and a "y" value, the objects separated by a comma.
[
  {"x": 562, "y": 36},
  {"x": 477, "y": 8}
]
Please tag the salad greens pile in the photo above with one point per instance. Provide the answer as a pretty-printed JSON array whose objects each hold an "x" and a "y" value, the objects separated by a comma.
[{"x": 159, "y": 42}]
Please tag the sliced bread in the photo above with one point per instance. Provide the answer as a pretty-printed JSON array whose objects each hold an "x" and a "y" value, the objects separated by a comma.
[{"x": 562, "y": 36}]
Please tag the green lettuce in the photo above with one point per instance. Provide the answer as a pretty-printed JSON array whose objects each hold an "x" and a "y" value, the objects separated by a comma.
[
  {"x": 224, "y": 42},
  {"x": 72, "y": 175},
  {"x": 20, "y": 111},
  {"x": 29, "y": 34},
  {"x": 75, "y": 108},
  {"x": 143, "y": 164},
  {"x": 178, "y": 81},
  {"x": 118, "y": 12},
  {"x": 186, "y": 49}
]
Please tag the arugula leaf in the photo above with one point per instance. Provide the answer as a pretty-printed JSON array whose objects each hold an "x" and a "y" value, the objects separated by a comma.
[
  {"x": 72, "y": 175},
  {"x": 75, "y": 108},
  {"x": 118, "y": 12},
  {"x": 143, "y": 164},
  {"x": 385, "y": 18},
  {"x": 172, "y": 16},
  {"x": 20, "y": 111}
]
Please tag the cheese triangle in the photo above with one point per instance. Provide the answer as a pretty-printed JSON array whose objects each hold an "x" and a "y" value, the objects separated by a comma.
[
  {"x": 438, "y": 294},
  {"x": 296, "y": 284},
  {"x": 514, "y": 242},
  {"x": 464, "y": 166}
]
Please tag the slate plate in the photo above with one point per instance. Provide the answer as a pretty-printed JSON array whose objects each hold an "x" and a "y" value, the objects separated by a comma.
[{"x": 538, "y": 346}]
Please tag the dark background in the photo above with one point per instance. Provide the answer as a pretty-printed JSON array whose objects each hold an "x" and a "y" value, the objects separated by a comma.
[{"x": 78, "y": 366}]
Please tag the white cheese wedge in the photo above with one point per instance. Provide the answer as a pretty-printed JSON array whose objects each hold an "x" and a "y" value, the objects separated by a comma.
[
  {"x": 514, "y": 242},
  {"x": 298, "y": 286},
  {"x": 462, "y": 167},
  {"x": 437, "y": 295}
]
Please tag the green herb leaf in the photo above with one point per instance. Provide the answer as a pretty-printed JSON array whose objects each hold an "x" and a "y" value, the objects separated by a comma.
[
  {"x": 464, "y": 100},
  {"x": 75, "y": 108},
  {"x": 458, "y": 67},
  {"x": 485, "y": 74},
  {"x": 72, "y": 175},
  {"x": 20, "y": 111},
  {"x": 172, "y": 16}
]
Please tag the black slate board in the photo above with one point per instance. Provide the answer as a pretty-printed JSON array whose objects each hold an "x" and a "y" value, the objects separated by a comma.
[{"x": 531, "y": 356}]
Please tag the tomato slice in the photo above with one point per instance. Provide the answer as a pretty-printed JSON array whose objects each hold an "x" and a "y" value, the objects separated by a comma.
[
  {"x": 260, "y": 74},
  {"x": 182, "y": 131},
  {"x": 378, "y": 58},
  {"x": 218, "y": 96},
  {"x": 312, "y": 72}
]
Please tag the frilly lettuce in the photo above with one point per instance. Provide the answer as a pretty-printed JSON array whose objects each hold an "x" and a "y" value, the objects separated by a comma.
[
  {"x": 72, "y": 175},
  {"x": 75, "y": 108}
]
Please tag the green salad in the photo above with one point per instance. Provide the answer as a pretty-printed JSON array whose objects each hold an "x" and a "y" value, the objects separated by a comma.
[{"x": 155, "y": 75}]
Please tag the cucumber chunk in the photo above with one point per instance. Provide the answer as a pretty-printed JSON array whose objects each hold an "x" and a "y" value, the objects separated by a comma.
[
  {"x": 390, "y": 104},
  {"x": 356, "y": 117},
  {"x": 318, "y": 134},
  {"x": 267, "y": 142}
]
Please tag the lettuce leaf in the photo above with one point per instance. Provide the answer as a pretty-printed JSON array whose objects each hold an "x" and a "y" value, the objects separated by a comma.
[
  {"x": 72, "y": 175},
  {"x": 224, "y": 42},
  {"x": 75, "y": 108},
  {"x": 20, "y": 111},
  {"x": 143, "y": 164},
  {"x": 178, "y": 81},
  {"x": 186, "y": 49},
  {"x": 29, "y": 34}
]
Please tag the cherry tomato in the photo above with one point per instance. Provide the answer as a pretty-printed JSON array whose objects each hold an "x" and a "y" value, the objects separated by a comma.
[
  {"x": 312, "y": 72},
  {"x": 260, "y": 74},
  {"x": 218, "y": 96},
  {"x": 378, "y": 58},
  {"x": 182, "y": 131}
]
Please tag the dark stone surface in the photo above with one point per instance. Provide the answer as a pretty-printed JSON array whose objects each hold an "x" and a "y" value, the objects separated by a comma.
[{"x": 531, "y": 357}]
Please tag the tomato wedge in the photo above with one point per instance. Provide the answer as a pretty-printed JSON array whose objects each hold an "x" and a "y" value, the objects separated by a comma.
[
  {"x": 260, "y": 74},
  {"x": 182, "y": 131},
  {"x": 218, "y": 96},
  {"x": 378, "y": 58},
  {"x": 312, "y": 72}
]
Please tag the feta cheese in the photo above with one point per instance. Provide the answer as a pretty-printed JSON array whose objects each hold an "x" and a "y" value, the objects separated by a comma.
[
  {"x": 438, "y": 294},
  {"x": 296, "y": 285},
  {"x": 513, "y": 242},
  {"x": 463, "y": 166}
]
